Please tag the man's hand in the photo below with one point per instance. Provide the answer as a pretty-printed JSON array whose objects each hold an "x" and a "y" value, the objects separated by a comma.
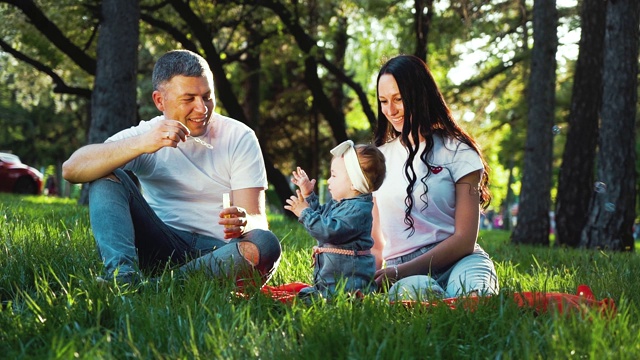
[
  {"x": 234, "y": 220},
  {"x": 165, "y": 133},
  {"x": 301, "y": 179},
  {"x": 94, "y": 161},
  {"x": 296, "y": 203}
]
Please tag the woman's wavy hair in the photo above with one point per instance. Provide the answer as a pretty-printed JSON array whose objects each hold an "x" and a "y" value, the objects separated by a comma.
[{"x": 426, "y": 114}]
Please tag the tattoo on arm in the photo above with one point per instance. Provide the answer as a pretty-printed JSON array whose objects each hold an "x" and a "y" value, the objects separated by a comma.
[{"x": 474, "y": 189}]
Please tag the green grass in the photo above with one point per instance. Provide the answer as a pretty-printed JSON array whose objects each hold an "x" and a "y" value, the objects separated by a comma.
[{"x": 51, "y": 308}]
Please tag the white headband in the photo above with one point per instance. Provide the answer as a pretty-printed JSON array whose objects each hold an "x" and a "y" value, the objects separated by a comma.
[{"x": 348, "y": 152}]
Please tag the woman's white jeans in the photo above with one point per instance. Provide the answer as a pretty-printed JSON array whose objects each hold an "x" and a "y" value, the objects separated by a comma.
[{"x": 473, "y": 273}]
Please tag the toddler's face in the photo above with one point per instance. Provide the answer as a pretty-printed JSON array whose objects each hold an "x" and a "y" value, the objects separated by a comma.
[{"x": 339, "y": 183}]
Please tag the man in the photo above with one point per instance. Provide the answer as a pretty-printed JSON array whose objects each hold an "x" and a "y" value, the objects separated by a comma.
[{"x": 185, "y": 160}]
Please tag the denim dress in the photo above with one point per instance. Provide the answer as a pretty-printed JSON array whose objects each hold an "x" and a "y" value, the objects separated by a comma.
[{"x": 343, "y": 225}]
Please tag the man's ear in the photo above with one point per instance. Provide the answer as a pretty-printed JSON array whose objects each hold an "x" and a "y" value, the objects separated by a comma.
[{"x": 158, "y": 99}]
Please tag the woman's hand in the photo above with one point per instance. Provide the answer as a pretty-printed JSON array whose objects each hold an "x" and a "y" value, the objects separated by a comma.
[{"x": 385, "y": 277}]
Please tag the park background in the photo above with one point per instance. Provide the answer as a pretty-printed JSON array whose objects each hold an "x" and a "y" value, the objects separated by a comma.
[{"x": 549, "y": 89}]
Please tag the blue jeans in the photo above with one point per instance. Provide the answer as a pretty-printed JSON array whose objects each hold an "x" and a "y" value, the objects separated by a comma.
[
  {"x": 130, "y": 236},
  {"x": 474, "y": 272}
]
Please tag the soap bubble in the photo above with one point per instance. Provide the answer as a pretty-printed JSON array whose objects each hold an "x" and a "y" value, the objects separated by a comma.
[
  {"x": 556, "y": 129},
  {"x": 600, "y": 187},
  {"x": 610, "y": 207}
]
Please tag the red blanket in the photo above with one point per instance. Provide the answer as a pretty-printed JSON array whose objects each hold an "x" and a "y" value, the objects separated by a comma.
[{"x": 539, "y": 301}]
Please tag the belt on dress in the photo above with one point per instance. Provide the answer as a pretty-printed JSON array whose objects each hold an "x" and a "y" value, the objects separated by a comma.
[{"x": 319, "y": 250}]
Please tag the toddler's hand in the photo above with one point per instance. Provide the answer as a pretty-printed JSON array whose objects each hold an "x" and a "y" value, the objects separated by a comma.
[
  {"x": 301, "y": 179},
  {"x": 296, "y": 203}
]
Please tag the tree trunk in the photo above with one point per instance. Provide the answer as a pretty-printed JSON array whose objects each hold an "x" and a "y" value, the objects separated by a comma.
[
  {"x": 113, "y": 101},
  {"x": 612, "y": 211},
  {"x": 535, "y": 199},
  {"x": 422, "y": 23},
  {"x": 575, "y": 183},
  {"x": 251, "y": 85},
  {"x": 114, "y": 97},
  {"x": 507, "y": 217},
  {"x": 340, "y": 44},
  {"x": 333, "y": 116}
]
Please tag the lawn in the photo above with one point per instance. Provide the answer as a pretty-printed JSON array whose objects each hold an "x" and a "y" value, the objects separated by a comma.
[{"x": 52, "y": 308}]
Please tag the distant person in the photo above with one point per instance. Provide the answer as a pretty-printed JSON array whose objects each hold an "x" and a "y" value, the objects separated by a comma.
[
  {"x": 490, "y": 215},
  {"x": 51, "y": 186},
  {"x": 185, "y": 160},
  {"x": 426, "y": 213},
  {"x": 342, "y": 228}
]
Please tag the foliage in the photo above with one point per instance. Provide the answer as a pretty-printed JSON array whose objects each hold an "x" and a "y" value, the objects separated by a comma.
[
  {"x": 52, "y": 308},
  {"x": 239, "y": 29},
  {"x": 477, "y": 49},
  {"x": 42, "y": 130}
]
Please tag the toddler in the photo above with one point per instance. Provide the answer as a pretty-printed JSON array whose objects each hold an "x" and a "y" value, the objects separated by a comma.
[{"x": 342, "y": 227}]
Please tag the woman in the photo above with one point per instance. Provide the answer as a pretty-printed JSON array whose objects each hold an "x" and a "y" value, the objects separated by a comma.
[{"x": 426, "y": 213}]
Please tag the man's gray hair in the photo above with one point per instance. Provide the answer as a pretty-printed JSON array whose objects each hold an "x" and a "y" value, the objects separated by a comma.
[{"x": 180, "y": 62}]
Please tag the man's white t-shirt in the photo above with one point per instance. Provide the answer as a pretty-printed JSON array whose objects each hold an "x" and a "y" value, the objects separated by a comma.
[
  {"x": 450, "y": 160},
  {"x": 184, "y": 185}
]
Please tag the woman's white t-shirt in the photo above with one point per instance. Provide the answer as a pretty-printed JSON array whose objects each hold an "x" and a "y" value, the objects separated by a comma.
[
  {"x": 433, "y": 212},
  {"x": 184, "y": 185}
]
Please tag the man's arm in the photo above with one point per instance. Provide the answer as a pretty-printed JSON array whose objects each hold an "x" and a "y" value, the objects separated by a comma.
[{"x": 94, "y": 161}]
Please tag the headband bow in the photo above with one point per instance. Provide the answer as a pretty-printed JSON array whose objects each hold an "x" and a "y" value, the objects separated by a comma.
[{"x": 348, "y": 151}]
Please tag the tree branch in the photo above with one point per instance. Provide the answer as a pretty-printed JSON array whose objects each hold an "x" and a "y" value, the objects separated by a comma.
[
  {"x": 309, "y": 46},
  {"x": 495, "y": 71},
  {"x": 171, "y": 30},
  {"x": 59, "y": 85},
  {"x": 54, "y": 34},
  {"x": 223, "y": 85}
]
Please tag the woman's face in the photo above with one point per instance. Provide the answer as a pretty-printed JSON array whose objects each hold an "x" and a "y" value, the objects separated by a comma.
[{"x": 391, "y": 101}]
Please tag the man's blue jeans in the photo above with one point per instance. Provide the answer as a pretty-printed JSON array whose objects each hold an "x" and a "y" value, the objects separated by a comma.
[{"x": 130, "y": 236}]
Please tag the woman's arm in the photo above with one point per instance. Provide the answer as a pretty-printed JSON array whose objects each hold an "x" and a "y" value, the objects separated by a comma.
[{"x": 378, "y": 237}]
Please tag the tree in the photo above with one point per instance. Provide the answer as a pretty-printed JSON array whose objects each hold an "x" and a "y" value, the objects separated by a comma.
[
  {"x": 423, "y": 13},
  {"x": 535, "y": 197},
  {"x": 612, "y": 209},
  {"x": 53, "y": 125},
  {"x": 282, "y": 67},
  {"x": 113, "y": 103},
  {"x": 575, "y": 182}
]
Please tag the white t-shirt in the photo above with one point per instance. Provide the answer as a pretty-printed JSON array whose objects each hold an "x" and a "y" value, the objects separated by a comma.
[
  {"x": 184, "y": 185},
  {"x": 450, "y": 160}
]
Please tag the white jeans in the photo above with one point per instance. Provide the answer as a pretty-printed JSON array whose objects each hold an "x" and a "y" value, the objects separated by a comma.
[{"x": 474, "y": 272}]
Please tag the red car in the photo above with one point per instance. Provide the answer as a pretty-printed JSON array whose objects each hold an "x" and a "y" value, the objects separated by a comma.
[{"x": 17, "y": 177}]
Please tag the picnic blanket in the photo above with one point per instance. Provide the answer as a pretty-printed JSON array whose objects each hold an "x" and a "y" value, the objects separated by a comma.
[{"x": 540, "y": 302}]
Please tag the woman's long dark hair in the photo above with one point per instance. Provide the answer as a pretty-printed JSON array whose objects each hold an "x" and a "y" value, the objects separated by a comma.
[{"x": 426, "y": 114}]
